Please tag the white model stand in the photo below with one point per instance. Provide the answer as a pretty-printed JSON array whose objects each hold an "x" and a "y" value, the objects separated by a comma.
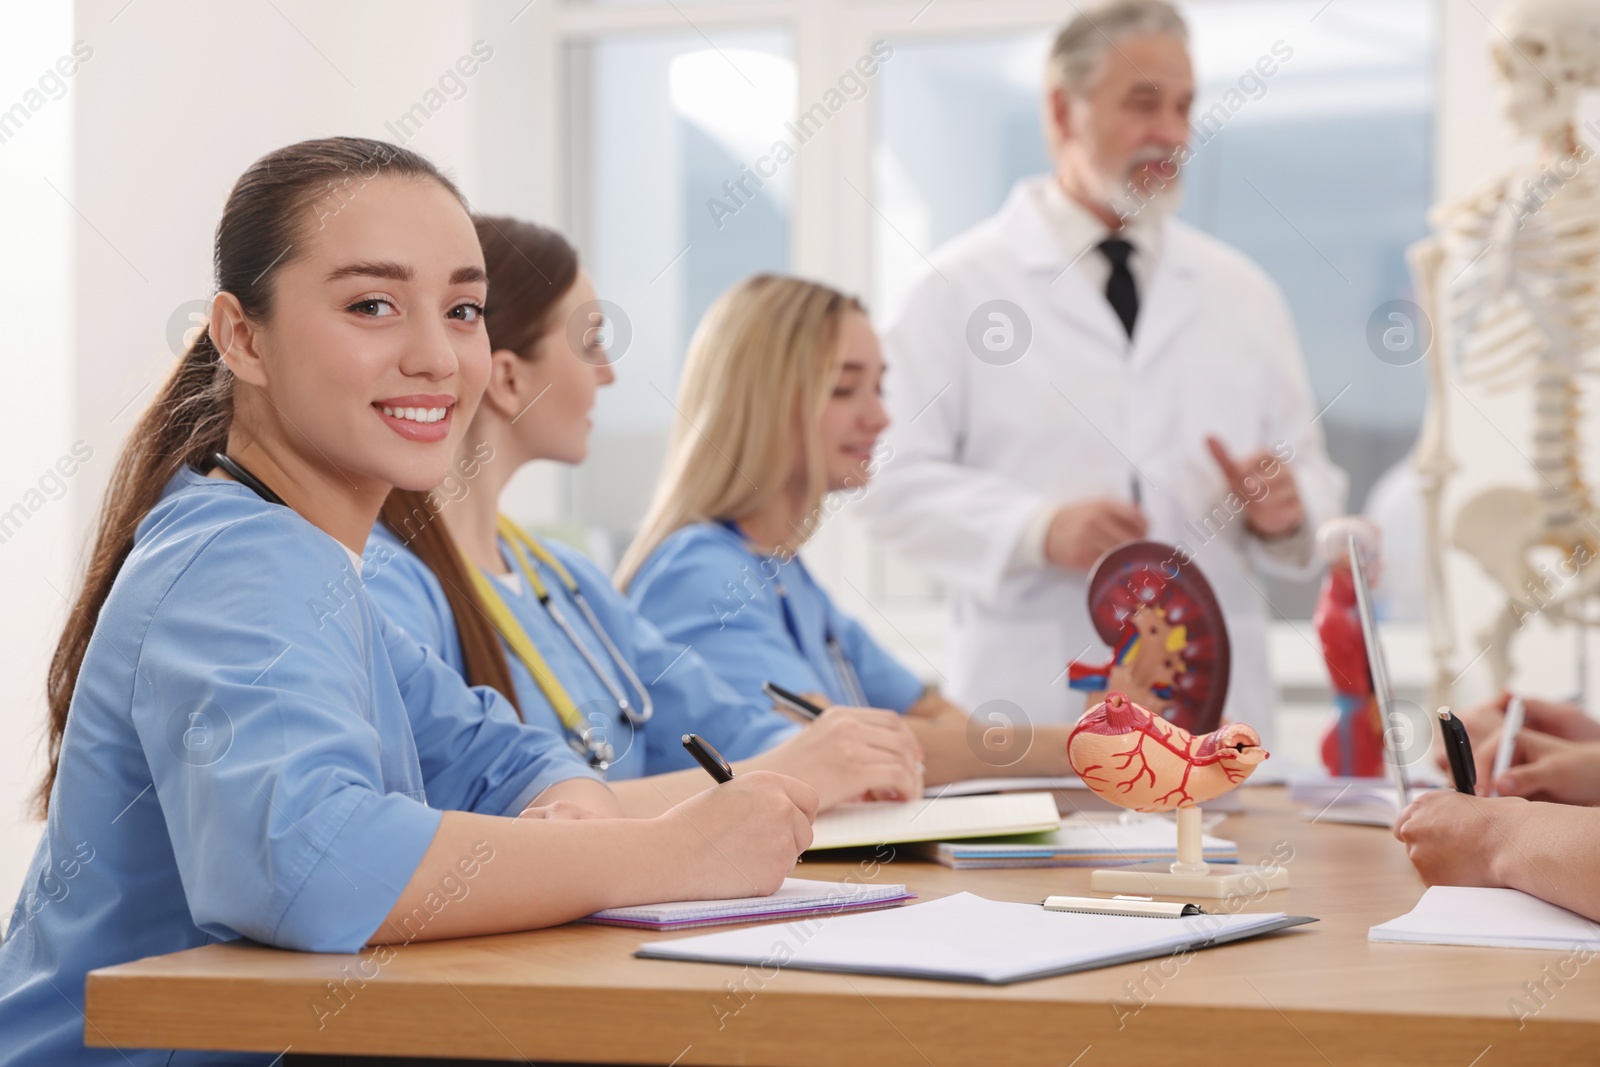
[{"x": 1191, "y": 875}]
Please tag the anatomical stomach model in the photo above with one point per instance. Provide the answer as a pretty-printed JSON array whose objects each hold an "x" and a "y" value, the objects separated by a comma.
[
  {"x": 1136, "y": 759},
  {"x": 1511, "y": 283}
]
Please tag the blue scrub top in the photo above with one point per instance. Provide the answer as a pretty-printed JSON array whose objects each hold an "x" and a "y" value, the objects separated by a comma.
[
  {"x": 689, "y": 697},
  {"x": 705, "y": 587},
  {"x": 252, "y": 752}
]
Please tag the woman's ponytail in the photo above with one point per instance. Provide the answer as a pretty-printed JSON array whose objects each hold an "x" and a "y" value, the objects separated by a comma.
[{"x": 283, "y": 196}]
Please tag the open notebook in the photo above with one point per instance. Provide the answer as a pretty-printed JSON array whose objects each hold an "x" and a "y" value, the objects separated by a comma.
[
  {"x": 1488, "y": 918},
  {"x": 794, "y": 899},
  {"x": 934, "y": 819},
  {"x": 1071, "y": 793},
  {"x": 966, "y": 938},
  {"x": 1270, "y": 775},
  {"x": 1358, "y": 801},
  {"x": 1083, "y": 840}
]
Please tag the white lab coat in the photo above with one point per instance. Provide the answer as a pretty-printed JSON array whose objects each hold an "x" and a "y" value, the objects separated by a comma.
[{"x": 978, "y": 448}]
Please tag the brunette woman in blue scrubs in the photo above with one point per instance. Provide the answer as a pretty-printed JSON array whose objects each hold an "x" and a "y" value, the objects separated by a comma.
[
  {"x": 539, "y": 622},
  {"x": 241, "y": 746}
]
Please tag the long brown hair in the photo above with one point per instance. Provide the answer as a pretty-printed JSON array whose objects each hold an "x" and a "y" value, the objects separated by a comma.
[
  {"x": 273, "y": 205},
  {"x": 531, "y": 268}
]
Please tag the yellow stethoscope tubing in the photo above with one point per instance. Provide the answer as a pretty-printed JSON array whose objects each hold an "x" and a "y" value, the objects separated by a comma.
[{"x": 505, "y": 621}]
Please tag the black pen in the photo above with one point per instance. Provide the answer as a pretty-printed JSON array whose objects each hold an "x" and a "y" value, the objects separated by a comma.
[
  {"x": 708, "y": 757},
  {"x": 1458, "y": 747},
  {"x": 793, "y": 701}
]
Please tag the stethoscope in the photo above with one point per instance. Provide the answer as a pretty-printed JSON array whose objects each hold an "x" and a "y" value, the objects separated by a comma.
[
  {"x": 842, "y": 667},
  {"x": 238, "y": 473},
  {"x": 585, "y": 740}
]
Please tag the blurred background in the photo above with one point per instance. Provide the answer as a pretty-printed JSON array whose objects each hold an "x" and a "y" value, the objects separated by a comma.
[{"x": 620, "y": 121}]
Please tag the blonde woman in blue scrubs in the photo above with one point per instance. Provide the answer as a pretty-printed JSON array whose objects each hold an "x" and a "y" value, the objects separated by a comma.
[
  {"x": 779, "y": 407},
  {"x": 539, "y": 622},
  {"x": 241, "y": 746}
]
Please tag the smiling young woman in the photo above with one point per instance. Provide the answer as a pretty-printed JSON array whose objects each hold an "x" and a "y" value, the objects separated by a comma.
[{"x": 228, "y": 760}]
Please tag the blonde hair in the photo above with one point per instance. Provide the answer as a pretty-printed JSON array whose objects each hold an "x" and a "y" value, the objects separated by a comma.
[{"x": 760, "y": 368}]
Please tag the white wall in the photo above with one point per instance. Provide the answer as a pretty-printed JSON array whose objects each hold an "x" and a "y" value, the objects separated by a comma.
[
  {"x": 35, "y": 272},
  {"x": 176, "y": 100}
]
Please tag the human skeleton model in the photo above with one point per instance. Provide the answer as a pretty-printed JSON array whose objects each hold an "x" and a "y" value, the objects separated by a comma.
[{"x": 1511, "y": 282}]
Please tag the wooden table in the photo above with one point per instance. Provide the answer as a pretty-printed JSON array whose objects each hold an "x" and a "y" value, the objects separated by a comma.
[{"x": 1320, "y": 995}]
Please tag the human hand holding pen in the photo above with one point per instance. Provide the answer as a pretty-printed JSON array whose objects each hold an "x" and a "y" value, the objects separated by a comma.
[
  {"x": 1081, "y": 533},
  {"x": 851, "y": 754},
  {"x": 1554, "y": 769},
  {"x": 1448, "y": 840},
  {"x": 1485, "y": 722},
  {"x": 742, "y": 837}
]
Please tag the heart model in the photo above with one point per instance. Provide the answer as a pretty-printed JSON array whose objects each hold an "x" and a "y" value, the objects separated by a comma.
[{"x": 1136, "y": 759}]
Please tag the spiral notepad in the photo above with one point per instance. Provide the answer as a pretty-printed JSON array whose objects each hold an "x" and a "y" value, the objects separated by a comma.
[{"x": 796, "y": 897}]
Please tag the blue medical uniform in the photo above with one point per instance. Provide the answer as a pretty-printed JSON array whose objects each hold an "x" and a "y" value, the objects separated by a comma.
[
  {"x": 705, "y": 587},
  {"x": 689, "y": 697},
  {"x": 253, "y": 751}
]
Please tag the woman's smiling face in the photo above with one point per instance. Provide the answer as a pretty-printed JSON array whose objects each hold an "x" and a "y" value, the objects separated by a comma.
[
  {"x": 374, "y": 354},
  {"x": 854, "y": 416}
]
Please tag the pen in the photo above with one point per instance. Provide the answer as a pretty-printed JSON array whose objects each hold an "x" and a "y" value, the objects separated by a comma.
[
  {"x": 1128, "y": 906},
  {"x": 1136, "y": 490},
  {"x": 793, "y": 701},
  {"x": 1459, "y": 750},
  {"x": 1508, "y": 741},
  {"x": 708, "y": 757}
]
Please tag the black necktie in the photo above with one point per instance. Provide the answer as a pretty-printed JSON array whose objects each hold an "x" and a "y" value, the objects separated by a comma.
[{"x": 1120, "y": 290}]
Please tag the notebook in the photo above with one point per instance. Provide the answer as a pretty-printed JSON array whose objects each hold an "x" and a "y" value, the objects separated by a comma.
[
  {"x": 974, "y": 786},
  {"x": 797, "y": 897},
  {"x": 1084, "y": 840},
  {"x": 934, "y": 819},
  {"x": 1488, "y": 918},
  {"x": 965, "y": 938},
  {"x": 1071, "y": 793},
  {"x": 1358, "y": 801}
]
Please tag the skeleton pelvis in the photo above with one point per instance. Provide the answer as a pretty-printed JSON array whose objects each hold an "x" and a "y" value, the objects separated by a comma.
[{"x": 1503, "y": 529}]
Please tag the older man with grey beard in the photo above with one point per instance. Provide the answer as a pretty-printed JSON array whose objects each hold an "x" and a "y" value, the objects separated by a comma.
[{"x": 1083, "y": 369}]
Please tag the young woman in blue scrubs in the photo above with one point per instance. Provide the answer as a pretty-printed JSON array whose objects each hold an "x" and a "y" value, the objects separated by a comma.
[
  {"x": 780, "y": 410},
  {"x": 241, "y": 746},
  {"x": 542, "y": 624}
]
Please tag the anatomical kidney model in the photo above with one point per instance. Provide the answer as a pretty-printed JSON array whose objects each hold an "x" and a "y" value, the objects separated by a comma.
[
  {"x": 1353, "y": 745},
  {"x": 1155, "y": 609},
  {"x": 1134, "y": 758}
]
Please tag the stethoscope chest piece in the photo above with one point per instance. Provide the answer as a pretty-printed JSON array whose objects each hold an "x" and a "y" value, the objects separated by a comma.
[{"x": 595, "y": 751}]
